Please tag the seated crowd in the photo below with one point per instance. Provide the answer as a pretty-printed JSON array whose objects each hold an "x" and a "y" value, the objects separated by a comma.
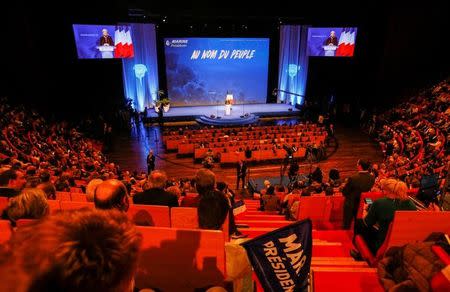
[{"x": 98, "y": 248}]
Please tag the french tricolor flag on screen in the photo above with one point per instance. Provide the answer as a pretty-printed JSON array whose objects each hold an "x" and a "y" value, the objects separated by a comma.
[
  {"x": 123, "y": 42},
  {"x": 346, "y": 45}
]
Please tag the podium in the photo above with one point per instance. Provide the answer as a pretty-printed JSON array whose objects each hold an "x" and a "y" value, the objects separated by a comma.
[
  {"x": 228, "y": 109},
  {"x": 330, "y": 51},
  {"x": 106, "y": 51}
]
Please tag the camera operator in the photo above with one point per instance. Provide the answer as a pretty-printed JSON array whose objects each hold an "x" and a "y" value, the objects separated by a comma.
[{"x": 293, "y": 170}]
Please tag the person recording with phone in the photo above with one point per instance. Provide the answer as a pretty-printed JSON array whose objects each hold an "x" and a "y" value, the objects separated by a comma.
[{"x": 376, "y": 220}]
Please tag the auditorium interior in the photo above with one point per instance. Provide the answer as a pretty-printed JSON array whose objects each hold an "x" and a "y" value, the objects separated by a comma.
[{"x": 228, "y": 146}]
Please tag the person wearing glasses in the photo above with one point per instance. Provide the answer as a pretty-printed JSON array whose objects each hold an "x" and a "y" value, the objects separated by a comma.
[{"x": 376, "y": 220}]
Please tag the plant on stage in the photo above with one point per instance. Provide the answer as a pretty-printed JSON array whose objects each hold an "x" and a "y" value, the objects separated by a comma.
[{"x": 162, "y": 100}]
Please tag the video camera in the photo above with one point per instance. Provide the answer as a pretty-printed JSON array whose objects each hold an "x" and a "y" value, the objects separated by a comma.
[{"x": 289, "y": 150}]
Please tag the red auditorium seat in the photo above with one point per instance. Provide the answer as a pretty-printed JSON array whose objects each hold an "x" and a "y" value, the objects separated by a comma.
[
  {"x": 407, "y": 226},
  {"x": 317, "y": 208},
  {"x": 76, "y": 190},
  {"x": 67, "y": 205},
  {"x": 180, "y": 259},
  {"x": 345, "y": 279},
  {"x": 182, "y": 217},
  {"x": 63, "y": 196},
  {"x": 5, "y": 231},
  {"x": 3, "y": 204},
  {"x": 54, "y": 206},
  {"x": 25, "y": 222},
  {"x": 337, "y": 210},
  {"x": 149, "y": 215},
  {"x": 78, "y": 197}
]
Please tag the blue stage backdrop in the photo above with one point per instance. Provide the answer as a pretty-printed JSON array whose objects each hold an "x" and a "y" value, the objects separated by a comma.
[
  {"x": 293, "y": 65},
  {"x": 331, "y": 41},
  {"x": 140, "y": 74},
  {"x": 200, "y": 71}
]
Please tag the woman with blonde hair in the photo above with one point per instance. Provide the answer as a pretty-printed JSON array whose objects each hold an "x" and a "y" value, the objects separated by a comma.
[{"x": 373, "y": 228}]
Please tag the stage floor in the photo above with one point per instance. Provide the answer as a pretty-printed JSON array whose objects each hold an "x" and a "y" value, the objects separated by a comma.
[{"x": 262, "y": 109}]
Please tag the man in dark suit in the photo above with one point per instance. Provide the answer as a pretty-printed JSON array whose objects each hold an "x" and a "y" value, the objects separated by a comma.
[
  {"x": 241, "y": 173},
  {"x": 156, "y": 195},
  {"x": 150, "y": 162},
  {"x": 213, "y": 205},
  {"x": 361, "y": 182}
]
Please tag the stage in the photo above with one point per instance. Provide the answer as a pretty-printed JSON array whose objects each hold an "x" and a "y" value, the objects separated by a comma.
[{"x": 240, "y": 114}]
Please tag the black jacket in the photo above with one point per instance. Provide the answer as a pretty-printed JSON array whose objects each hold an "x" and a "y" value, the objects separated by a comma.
[
  {"x": 357, "y": 184},
  {"x": 156, "y": 196}
]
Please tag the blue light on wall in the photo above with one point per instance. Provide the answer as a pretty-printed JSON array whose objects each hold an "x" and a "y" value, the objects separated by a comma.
[
  {"x": 140, "y": 74},
  {"x": 293, "y": 64}
]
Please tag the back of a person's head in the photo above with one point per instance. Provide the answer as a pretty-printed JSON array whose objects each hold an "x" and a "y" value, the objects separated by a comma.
[
  {"x": 91, "y": 187},
  {"x": 44, "y": 177},
  {"x": 221, "y": 186},
  {"x": 205, "y": 180},
  {"x": 111, "y": 194},
  {"x": 270, "y": 190},
  {"x": 364, "y": 164},
  {"x": 157, "y": 179},
  {"x": 334, "y": 174},
  {"x": 210, "y": 210},
  {"x": 6, "y": 174},
  {"x": 174, "y": 190},
  {"x": 394, "y": 188},
  {"x": 29, "y": 204},
  {"x": 80, "y": 250}
]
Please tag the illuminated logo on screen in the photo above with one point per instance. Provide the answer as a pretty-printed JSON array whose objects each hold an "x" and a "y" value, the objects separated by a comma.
[
  {"x": 139, "y": 71},
  {"x": 177, "y": 43},
  {"x": 293, "y": 69}
]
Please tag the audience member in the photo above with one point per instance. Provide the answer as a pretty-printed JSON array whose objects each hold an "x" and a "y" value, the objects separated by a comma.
[
  {"x": 374, "y": 227},
  {"x": 11, "y": 182},
  {"x": 91, "y": 187},
  {"x": 356, "y": 184},
  {"x": 111, "y": 194},
  {"x": 29, "y": 204},
  {"x": 156, "y": 195},
  {"x": 83, "y": 250},
  {"x": 213, "y": 206},
  {"x": 47, "y": 186}
]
